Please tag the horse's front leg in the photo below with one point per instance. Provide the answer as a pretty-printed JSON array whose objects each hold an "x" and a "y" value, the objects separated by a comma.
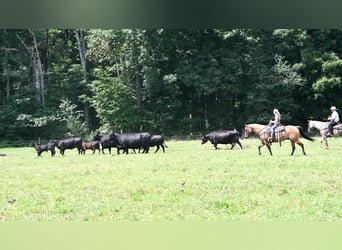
[
  {"x": 269, "y": 148},
  {"x": 260, "y": 146},
  {"x": 324, "y": 142},
  {"x": 267, "y": 145}
]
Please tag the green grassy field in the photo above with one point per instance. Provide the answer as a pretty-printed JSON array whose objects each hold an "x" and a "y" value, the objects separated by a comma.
[{"x": 190, "y": 182}]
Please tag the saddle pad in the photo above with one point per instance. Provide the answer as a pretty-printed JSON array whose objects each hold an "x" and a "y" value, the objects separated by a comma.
[{"x": 338, "y": 126}]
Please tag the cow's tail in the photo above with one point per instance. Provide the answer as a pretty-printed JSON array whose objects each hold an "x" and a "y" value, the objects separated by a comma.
[
  {"x": 165, "y": 145},
  {"x": 301, "y": 131}
]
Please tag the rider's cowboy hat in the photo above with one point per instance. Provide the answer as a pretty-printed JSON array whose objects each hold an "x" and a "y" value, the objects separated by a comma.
[{"x": 333, "y": 108}]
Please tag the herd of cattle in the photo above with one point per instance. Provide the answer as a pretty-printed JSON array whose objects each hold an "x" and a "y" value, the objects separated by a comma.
[
  {"x": 128, "y": 141},
  {"x": 105, "y": 141}
]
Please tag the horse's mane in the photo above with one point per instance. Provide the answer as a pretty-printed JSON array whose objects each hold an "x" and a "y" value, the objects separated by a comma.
[{"x": 256, "y": 125}]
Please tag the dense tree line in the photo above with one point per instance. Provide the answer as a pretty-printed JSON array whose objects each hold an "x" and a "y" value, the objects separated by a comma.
[{"x": 172, "y": 81}]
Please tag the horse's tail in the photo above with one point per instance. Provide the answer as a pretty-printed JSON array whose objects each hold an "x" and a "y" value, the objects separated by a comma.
[{"x": 301, "y": 131}]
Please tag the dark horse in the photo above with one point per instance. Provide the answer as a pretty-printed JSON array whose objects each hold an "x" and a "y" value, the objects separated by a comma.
[{"x": 288, "y": 132}]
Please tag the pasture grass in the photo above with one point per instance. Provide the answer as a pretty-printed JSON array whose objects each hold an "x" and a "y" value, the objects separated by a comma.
[{"x": 190, "y": 182}]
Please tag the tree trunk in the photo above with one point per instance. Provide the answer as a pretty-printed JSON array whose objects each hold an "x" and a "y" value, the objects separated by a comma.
[
  {"x": 6, "y": 69},
  {"x": 38, "y": 69},
  {"x": 82, "y": 50},
  {"x": 7, "y": 78},
  {"x": 8, "y": 93},
  {"x": 138, "y": 88}
]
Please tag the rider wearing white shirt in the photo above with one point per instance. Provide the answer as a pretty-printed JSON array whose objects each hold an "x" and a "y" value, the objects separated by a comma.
[
  {"x": 275, "y": 122},
  {"x": 334, "y": 119}
]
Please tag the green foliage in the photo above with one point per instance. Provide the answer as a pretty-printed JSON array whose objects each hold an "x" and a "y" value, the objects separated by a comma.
[
  {"x": 114, "y": 104},
  {"x": 170, "y": 81},
  {"x": 286, "y": 76},
  {"x": 72, "y": 118},
  {"x": 330, "y": 79}
]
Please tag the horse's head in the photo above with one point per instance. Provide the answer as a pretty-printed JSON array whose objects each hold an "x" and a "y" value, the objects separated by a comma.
[
  {"x": 253, "y": 128},
  {"x": 247, "y": 131}
]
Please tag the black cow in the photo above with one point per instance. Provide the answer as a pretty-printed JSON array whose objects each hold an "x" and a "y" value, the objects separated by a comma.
[
  {"x": 106, "y": 141},
  {"x": 132, "y": 141},
  {"x": 158, "y": 141},
  {"x": 68, "y": 143},
  {"x": 40, "y": 148},
  {"x": 222, "y": 137},
  {"x": 93, "y": 145}
]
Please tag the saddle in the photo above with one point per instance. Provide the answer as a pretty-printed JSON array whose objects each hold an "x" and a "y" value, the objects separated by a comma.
[
  {"x": 277, "y": 132},
  {"x": 337, "y": 127}
]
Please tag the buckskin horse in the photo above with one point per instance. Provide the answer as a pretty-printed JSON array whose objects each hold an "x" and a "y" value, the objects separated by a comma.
[
  {"x": 322, "y": 127},
  {"x": 284, "y": 132}
]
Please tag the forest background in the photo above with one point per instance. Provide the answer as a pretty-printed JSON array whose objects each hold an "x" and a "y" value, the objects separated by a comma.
[{"x": 175, "y": 82}]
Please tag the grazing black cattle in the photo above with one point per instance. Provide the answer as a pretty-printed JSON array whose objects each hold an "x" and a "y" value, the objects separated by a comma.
[
  {"x": 132, "y": 141},
  {"x": 68, "y": 143},
  {"x": 158, "y": 141},
  {"x": 93, "y": 145},
  {"x": 222, "y": 137},
  {"x": 106, "y": 141},
  {"x": 40, "y": 148}
]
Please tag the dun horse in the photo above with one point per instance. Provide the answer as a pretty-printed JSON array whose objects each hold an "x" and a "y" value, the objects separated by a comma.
[
  {"x": 284, "y": 132},
  {"x": 322, "y": 127}
]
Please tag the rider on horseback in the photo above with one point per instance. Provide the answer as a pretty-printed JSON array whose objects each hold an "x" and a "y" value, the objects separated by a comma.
[
  {"x": 275, "y": 122},
  {"x": 334, "y": 119}
]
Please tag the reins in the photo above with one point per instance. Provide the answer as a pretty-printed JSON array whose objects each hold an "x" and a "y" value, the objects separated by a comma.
[{"x": 263, "y": 131}]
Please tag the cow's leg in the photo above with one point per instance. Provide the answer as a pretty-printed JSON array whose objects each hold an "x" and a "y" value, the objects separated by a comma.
[
  {"x": 158, "y": 147},
  {"x": 163, "y": 148},
  {"x": 238, "y": 142}
]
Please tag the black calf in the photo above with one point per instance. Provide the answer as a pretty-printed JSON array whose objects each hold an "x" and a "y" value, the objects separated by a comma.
[{"x": 40, "y": 148}]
